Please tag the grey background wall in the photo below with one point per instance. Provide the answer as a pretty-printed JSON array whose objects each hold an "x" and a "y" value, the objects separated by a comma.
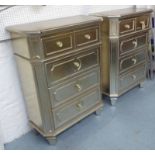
[{"x": 13, "y": 116}]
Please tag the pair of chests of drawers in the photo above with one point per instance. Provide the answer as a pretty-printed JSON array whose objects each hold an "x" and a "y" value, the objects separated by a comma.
[
  {"x": 133, "y": 41},
  {"x": 73, "y": 74}
]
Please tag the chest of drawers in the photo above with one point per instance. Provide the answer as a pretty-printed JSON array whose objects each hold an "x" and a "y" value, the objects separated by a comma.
[
  {"x": 125, "y": 45},
  {"x": 58, "y": 62}
]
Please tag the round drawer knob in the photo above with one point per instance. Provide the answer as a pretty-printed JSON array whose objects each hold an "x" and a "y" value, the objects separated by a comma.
[
  {"x": 80, "y": 106},
  {"x": 87, "y": 36},
  {"x": 36, "y": 57},
  {"x": 134, "y": 77},
  {"x": 78, "y": 87},
  {"x": 77, "y": 65},
  {"x": 59, "y": 44},
  {"x": 127, "y": 26}
]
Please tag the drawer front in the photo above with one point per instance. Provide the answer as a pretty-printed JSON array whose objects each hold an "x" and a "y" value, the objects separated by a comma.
[
  {"x": 69, "y": 90},
  {"x": 86, "y": 36},
  {"x": 142, "y": 22},
  {"x": 129, "y": 62},
  {"x": 127, "y": 25},
  {"x": 129, "y": 79},
  {"x": 57, "y": 71},
  {"x": 74, "y": 109},
  {"x": 127, "y": 45},
  {"x": 58, "y": 43}
]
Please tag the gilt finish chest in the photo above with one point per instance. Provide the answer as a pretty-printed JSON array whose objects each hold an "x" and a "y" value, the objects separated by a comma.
[
  {"x": 58, "y": 62},
  {"x": 125, "y": 37}
]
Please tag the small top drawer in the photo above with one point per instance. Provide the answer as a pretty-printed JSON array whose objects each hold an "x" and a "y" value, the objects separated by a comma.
[
  {"x": 86, "y": 36},
  {"x": 126, "y": 26},
  {"x": 57, "y": 43},
  {"x": 142, "y": 22},
  {"x": 64, "y": 68},
  {"x": 127, "y": 45}
]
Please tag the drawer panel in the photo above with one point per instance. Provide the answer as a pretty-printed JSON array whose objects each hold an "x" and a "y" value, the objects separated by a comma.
[
  {"x": 131, "y": 61},
  {"x": 129, "y": 79},
  {"x": 58, "y": 43},
  {"x": 142, "y": 22},
  {"x": 127, "y": 26},
  {"x": 75, "y": 108},
  {"x": 86, "y": 36},
  {"x": 127, "y": 45},
  {"x": 64, "y": 68},
  {"x": 71, "y": 89}
]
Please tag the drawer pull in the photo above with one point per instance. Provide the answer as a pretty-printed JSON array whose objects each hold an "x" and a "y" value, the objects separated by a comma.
[
  {"x": 134, "y": 43},
  {"x": 134, "y": 77},
  {"x": 59, "y": 44},
  {"x": 77, "y": 64},
  {"x": 127, "y": 26},
  {"x": 79, "y": 106},
  {"x": 78, "y": 87},
  {"x": 134, "y": 61},
  {"x": 143, "y": 24},
  {"x": 37, "y": 57},
  {"x": 87, "y": 36}
]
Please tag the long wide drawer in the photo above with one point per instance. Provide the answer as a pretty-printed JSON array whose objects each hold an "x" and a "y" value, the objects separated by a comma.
[
  {"x": 128, "y": 62},
  {"x": 129, "y": 44},
  {"x": 132, "y": 77},
  {"x": 75, "y": 108},
  {"x": 60, "y": 70},
  {"x": 70, "y": 89}
]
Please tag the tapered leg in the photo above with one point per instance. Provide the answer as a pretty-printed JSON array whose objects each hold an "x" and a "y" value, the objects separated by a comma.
[
  {"x": 113, "y": 100},
  {"x": 98, "y": 111},
  {"x": 141, "y": 85},
  {"x": 35, "y": 132},
  {"x": 52, "y": 140}
]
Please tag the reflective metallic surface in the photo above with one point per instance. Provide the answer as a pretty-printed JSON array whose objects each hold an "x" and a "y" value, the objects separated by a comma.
[
  {"x": 58, "y": 63},
  {"x": 125, "y": 46}
]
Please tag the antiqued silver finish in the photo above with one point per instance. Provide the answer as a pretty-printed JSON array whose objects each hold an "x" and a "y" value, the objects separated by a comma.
[
  {"x": 125, "y": 46},
  {"x": 58, "y": 63}
]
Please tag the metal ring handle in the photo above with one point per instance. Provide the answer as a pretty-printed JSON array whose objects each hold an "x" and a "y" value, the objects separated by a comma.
[
  {"x": 134, "y": 60},
  {"x": 134, "y": 43},
  {"x": 77, "y": 64}
]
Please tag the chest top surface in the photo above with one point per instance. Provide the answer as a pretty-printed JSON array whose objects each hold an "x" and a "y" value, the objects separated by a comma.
[{"x": 53, "y": 24}]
